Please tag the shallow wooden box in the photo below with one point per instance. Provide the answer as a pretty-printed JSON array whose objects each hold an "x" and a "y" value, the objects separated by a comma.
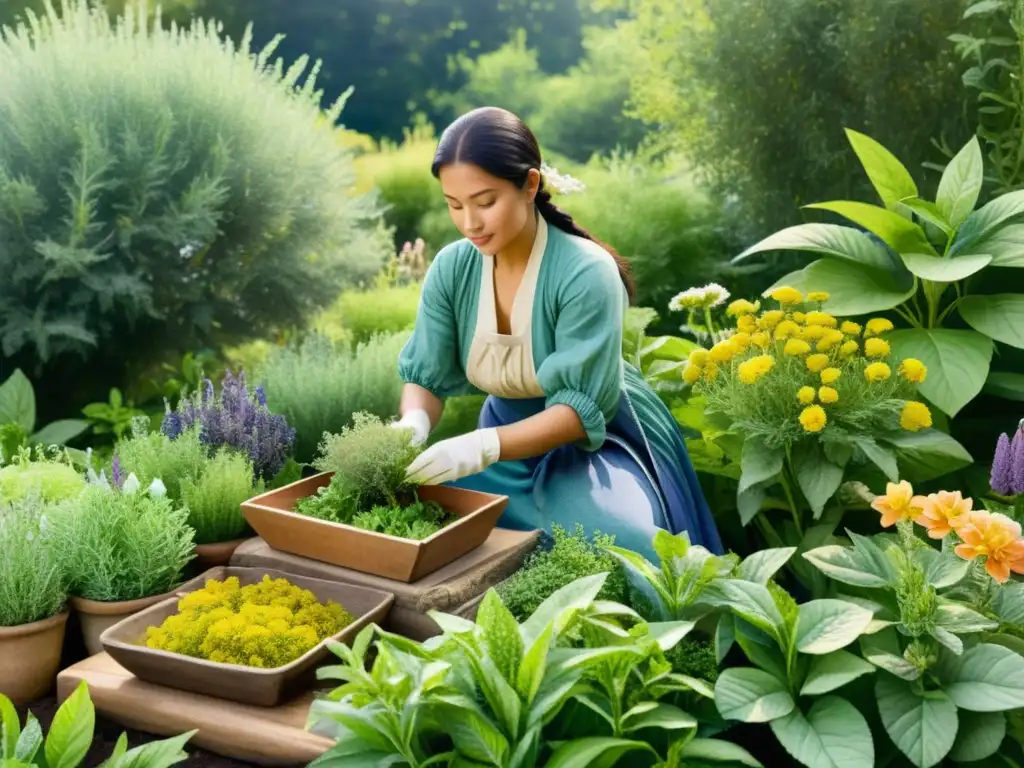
[
  {"x": 124, "y": 642},
  {"x": 270, "y": 514}
]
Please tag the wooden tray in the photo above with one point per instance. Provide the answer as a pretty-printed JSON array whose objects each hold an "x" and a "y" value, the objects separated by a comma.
[
  {"x": 263, "y": 687},
  {"x": 271, "y": 516},
  {"x": 264, "y": 736}
]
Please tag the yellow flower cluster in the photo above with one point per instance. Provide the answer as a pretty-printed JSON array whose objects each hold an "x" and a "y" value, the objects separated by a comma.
[
  {"x": 263, "y": 625},
  {"x": 829, "y": 350}
]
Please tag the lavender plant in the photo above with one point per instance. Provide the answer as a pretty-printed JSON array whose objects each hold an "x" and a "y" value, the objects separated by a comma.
[{"x": 235, "y": 418}]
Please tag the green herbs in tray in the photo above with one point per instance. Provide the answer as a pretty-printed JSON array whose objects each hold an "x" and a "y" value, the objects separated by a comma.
[{"x": 369, "y": 489}]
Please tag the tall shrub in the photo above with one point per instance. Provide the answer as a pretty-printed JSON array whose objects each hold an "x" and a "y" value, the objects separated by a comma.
[{"x": 162, "y": 190}]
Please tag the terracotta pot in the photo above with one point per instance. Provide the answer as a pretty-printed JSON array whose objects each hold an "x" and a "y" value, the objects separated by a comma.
[
  {"x": 96, "y": 615},
  {"x": 30, "y": 658},
  {"x": 125, "y": 642},
  {"x": 214, "y": 555},
  {"x": 405, "y": 560}
]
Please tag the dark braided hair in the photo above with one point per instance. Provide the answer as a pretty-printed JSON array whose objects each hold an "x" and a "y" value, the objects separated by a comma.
[{"x": 501, "y": 144}]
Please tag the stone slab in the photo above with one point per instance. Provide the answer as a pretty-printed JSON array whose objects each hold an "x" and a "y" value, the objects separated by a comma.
[{"x": 271, "y": 736}]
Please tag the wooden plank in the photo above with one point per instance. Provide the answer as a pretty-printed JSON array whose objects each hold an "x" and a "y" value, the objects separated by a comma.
[{"x": 271, "y": 736}]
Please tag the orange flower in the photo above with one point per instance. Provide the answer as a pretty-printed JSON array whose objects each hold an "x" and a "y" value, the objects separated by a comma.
[
  {"x": 944, "y": 512},
  {"x": 899, "y": 503},
  {"x": 995, "y": 537}
]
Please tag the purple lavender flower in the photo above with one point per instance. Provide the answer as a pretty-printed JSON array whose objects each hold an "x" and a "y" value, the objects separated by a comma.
[
  {"x": 1001, "y": 478},
  {"x": 115, "y": 471},
  {"x": 1017, "y": 461},
  {"x": 237, "y": 419}
]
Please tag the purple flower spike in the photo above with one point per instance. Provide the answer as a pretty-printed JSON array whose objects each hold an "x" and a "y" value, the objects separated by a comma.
[
  {"x": 237, "y": 419},
  {"x": 115, "y": 471},
  {"x": 1001, "y": 479},
  {"x": 1017, "y": 462}
]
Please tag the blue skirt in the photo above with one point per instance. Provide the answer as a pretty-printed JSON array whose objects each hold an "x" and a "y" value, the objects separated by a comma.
[{"x": 627, "y": 488}]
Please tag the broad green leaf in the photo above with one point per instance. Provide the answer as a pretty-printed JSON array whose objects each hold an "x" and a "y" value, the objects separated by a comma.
[
  {"x": 824, "y": 626},
  {"x": 71, "y": 731},
  {"x": 985, "y": 221},
  {"x": 709, "y": 752},
  {"x": 847, "y": 565},
  {"x": 948, "y": 639},
  {"x": 944, "y": 569},
  {"x": 751, "y": 602},
  {"x": 765, "y": 563},
  {"x": 759, "y": 463},
  {"x": 888, "y": 175},
  {"x": 987, "y": 678},
  {"x": 452, "y": 624},
  {"x": 1006, "y": 245},
  {"x": 474, "y": 736},
  {"x": 672, "y": 348},
  {"x": 665, "y": 716},
  {"x": 833, "y": 670},
  {"x": 818, "y": 477},
  {"x": 832, "y": 735},
  {"x": 940, "y": 270},
  {"x": 159, "y": 754},
  {"x": 751, "y": 696},
  {"x": 854, "y": 289},
  {"x": 1009, "y": 603},
  {"x": 928, "y": 454},
  {"x": 748, "y": 502},
  {"x": 762, "y": 650},
  {"x": 1000, "y": 317},
  {"x": 668, "y": 634},
  {"x": 883, "y": 650},
  {"x": 18, "y": 402},
  {"x": 594, "y": 752},
  {"x": 500, "y": 635},
  {"x": 531, "y": 670},
  {"x": 958, "y": 363},
  {"x": 839, "y": 242},
  {"x": 899, "y": 233},
  {"x": 1009, "y": 386},
  {"x": 922, "y": 727},
  {"x": 881, "y": 457},
  {"x": 30, "y": 740},
  {"x": 725, "y": 636},
  {"x": 10, "y": 728},
  {"x": 985, "y": 6},
  {"x": 928, "y": 212},
  {"x": 60, "y": 432},
  {"x": 979, "y": 736},
  {"x": 572, "y": 597},
  {"x": 961, "y": 183}
]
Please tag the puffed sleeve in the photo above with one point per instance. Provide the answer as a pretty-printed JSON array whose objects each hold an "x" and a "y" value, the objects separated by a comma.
[
  {"x": 430, "y": 358},
  {"x": 585, "y": 371}
]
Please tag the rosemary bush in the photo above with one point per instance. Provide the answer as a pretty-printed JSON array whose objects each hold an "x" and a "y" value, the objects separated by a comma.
[
  {"x": 119, "y": 545},
  {"x": 163, "y": 190},
  {"x": 32, "y": 579},
  {"x": 318, "y": 384}
]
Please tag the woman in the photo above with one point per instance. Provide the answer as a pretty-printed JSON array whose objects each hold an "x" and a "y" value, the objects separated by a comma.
[{"x": 529, "y": 309}]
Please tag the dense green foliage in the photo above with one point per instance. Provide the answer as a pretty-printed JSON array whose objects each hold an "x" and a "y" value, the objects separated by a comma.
[
  {"x": 32, "y": 578},
  {"x": 161, "y": 198}
]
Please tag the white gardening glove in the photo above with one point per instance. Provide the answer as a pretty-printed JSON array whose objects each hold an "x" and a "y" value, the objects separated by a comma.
[
  {"x": 419, "y": 422},
  {"x": 455, "y": 458}
]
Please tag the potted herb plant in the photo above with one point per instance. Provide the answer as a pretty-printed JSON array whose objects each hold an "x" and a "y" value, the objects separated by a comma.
[
  {"x": 361, "y": 512},
  {"x": 33, "y": 593},
  {"x": 124, "y": 547},
  {"x": 211, "y": 486}
]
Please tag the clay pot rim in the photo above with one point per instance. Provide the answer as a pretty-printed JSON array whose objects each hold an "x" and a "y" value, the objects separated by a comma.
[
  {"x": 35, "y": 627},
  {"x": 112, "y": 607}
]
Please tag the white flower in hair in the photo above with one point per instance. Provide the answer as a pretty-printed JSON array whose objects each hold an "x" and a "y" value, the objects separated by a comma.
[{"x": 562, "y": 184}]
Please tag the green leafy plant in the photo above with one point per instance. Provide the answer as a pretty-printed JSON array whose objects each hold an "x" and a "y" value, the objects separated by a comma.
[
  {"x": 570, "y": 557},
  {"x": 214, "y": 498},
  {"x": 121, "y": 543},
  {"x": 113, "y": 417},
  {"x": 18, "y": 410},
  {"x": 33, "y": 582},
  {"x": 369, "y": 488},
  {"x": 48, "y": 475},
  {"x": 318, "y": 384},
  {"x": 920, "y": 258},
  {"x": 70, "y": 738},
  {"x": 142, "y": 192},
  {"x": 944, "y": 635}
]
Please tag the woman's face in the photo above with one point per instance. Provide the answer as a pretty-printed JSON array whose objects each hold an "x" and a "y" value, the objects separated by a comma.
[{"x": 489, "y": 211}]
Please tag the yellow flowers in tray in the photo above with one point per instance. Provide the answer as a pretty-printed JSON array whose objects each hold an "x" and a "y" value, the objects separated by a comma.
[
  {"x": 264, "y": 625},
  {"x": 798, "y": 369}
]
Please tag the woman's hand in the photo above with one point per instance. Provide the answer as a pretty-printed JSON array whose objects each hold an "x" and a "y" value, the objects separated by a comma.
[{"x": 456, "y": 458}]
